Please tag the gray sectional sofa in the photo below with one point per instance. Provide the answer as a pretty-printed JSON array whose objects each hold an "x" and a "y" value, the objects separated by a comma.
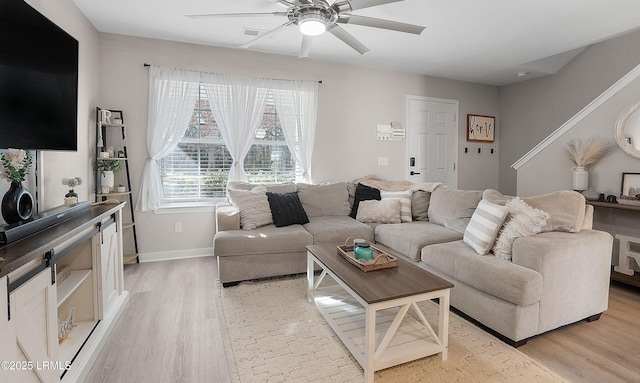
[{"x": 554, "y": 278}]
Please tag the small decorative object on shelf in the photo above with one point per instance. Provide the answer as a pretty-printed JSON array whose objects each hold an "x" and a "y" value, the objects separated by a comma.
[
  {"x": 584, "y": 154},
  {"x": 121, "y": 189},
  {"x": 65, "y": 327},
  {"x": 71, "y": 198},
  {"x": 106, "y": 169},
  {"x": 17, "y": 203}
]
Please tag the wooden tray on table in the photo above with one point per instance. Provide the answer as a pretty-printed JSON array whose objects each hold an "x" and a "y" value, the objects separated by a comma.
[{"x": 381, "y": 260}]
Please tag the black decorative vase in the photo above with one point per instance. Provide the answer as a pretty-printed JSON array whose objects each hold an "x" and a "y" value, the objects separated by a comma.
[
  {"x": 71, "y": 198},
  {"x": 17, "y": 204}
]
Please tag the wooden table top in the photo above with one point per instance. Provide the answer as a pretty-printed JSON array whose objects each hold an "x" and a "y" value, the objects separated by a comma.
[{"x": 379, "y": 285}]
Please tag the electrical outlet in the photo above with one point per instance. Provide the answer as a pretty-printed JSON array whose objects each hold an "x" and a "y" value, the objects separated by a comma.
[{"x": 178, "y": 227}]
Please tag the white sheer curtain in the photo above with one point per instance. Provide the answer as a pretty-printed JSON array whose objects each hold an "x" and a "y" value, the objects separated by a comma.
[
  {"x": 297, "y": 107},
  {"x": 238, "y": 105},
  {"x": 172, "y": 97}
]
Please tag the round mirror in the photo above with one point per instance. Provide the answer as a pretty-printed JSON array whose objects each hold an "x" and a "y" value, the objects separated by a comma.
[{"x": 628, "y": 130}]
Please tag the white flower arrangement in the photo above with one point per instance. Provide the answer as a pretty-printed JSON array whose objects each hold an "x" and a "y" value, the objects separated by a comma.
[
  {"x": 72, "y": 182},
  {"x": 15, "y": 164},
  {"x": 588, "y": 152}
]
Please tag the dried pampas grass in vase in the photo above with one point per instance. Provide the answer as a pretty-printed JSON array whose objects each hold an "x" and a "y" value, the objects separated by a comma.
[{"x": 583, "y": 154}]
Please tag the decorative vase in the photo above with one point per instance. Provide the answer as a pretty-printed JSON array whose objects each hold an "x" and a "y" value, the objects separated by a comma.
[
  {"x": 71, "y": 198},
  {"x": 107, "y": 179},
  {"x": 17, "y": 204},
  {"x": 580, "y": 178}
]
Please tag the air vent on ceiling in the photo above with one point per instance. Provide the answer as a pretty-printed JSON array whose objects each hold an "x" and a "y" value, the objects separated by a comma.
[{"x": 252, "y": 32}]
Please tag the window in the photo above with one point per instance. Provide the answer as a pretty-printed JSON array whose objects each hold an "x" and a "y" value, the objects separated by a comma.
[{"x": 198, "y": 167}]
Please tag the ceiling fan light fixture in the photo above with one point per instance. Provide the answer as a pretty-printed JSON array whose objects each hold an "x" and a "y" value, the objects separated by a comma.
[{"x": 312, "y": 23}]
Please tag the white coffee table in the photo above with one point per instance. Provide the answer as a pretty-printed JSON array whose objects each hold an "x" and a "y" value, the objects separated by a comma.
[{"x": 375, "y": 314}]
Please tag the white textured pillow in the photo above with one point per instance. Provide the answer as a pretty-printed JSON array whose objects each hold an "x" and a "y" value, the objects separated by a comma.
[
  {"x": 253, "y": 206},
  {"x": 384, "y": 211},
  {"x": 523, "y": 221},
  {"x": 482, "y": 230},
  {"x": 405, "y": 202}
]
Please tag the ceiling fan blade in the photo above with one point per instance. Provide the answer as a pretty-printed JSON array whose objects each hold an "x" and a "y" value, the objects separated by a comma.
[
  {"x": 384, "y": 24},
  {"x": 361, "y": 4},
  {"x": 343, "y": 35},
  {"x": 305, "y": 47},
  {"x": 267, "y": 34},
  {"x": 250, "y": 14},
  {"x": 284, "y": 3}
]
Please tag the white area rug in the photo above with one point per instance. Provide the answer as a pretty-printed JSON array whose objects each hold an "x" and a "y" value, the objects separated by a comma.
[{"x": 273, "y": 334}]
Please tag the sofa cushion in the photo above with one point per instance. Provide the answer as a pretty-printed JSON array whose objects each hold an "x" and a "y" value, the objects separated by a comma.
[
  {"x": 405, "y": 200},
  {"x": 387, "y": 211},
  {"x": 253, "y": 206},
  {"x": 283, "y": 187},
  {"x": 363, "y": 193},
  {"x": 335, "y": 230},
  {"x": 523, "y": 221},
  {"x": 453, "y": 208},
  {"x": 325, "y": 199},
  {"x": 566, "y": 208},
  {"x": 420, "y": 205},
  {"x": 286, "y": 209},
  {"x": 410, "y": 238},
  {"x": 482, "y": 230},
  {"x": 505, "y": 280},
  {"x": 264, "y": 240}
]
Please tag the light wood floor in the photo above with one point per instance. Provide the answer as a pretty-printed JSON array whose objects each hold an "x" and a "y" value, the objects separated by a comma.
[{"x": 170, "y": 332}]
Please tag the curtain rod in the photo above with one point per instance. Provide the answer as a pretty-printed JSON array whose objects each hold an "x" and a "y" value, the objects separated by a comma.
[{"x": 319, "y": 81}]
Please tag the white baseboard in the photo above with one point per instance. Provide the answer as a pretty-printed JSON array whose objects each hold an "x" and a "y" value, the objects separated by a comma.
[{"x": 175, "y": 254}]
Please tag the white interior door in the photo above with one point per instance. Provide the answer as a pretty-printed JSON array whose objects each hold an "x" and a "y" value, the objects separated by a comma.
[{"x": 432, "y": 135}]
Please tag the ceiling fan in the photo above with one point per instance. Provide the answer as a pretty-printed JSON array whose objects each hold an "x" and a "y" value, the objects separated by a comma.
[{"x": 314, "y": 17}]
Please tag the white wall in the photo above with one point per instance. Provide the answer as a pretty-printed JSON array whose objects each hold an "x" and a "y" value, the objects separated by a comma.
[
  {"x": 57, "y": 165},
  {"x": 550, "y": 170},
  {"x": 352, "y": 101},
  {"x": 531, "y": 110}
]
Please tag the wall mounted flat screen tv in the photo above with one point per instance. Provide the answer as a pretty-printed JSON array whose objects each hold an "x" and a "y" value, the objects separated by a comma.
[{"x": 38, "y": 81}]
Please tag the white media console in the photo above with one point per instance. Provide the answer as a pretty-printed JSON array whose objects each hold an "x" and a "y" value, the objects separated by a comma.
[{"x": 72, "y": 267}]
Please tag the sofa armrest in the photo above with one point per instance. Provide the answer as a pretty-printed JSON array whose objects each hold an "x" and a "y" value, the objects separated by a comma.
[
  {"x": 227, "y": 217},
  {"x": 575, "y": 270},
  {"x": 588, "y": 217}
]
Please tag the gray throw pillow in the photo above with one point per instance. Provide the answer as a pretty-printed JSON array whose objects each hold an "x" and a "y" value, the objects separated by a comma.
[{"x": 420, "y": 205}]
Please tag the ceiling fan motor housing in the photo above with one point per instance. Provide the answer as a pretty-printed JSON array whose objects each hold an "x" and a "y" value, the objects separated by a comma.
[{"x": 321, "y": 11}]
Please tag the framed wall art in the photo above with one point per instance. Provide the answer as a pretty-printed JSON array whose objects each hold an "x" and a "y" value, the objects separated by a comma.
[
  {"x": 630, "y": 184},
  {"x": 481, "y": 128}
]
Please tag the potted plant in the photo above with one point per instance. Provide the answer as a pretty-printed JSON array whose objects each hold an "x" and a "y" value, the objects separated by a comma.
[{"x": 106, "y": 169}]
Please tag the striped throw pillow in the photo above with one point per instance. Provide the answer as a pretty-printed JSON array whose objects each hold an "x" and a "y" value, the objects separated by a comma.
[
  {"x": 405, "y": 202},
  {"x": 483, "y": 228}
]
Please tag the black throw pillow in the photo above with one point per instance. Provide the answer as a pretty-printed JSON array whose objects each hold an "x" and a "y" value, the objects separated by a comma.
[
  {"x": 286, "y": 209},
  {"x": 363, "y": 193}
]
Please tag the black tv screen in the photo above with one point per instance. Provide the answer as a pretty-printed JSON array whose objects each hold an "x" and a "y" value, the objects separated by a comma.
[{"x": 38, "y": 81}]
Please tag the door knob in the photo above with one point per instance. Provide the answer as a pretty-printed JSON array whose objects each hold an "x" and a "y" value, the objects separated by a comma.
[{"x": 413, "y": 173}]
